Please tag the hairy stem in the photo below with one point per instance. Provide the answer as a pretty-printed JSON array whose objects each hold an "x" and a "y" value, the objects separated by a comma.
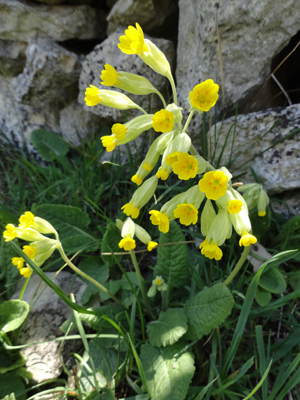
[{"x": 238, "y": 265}]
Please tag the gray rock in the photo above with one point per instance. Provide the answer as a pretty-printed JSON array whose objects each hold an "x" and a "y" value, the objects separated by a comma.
[
  {"x": 57, "y": 2},
  {"x": 278, "y": 168},
  {"x": 251, "y": 34},
  {"x": 23, "y": 20},
  {"x": 50, "y": 76},
  {"x": 44, "y": 321},
  {"x": 288, "y": 204},
  {"x": 108, "y": 52},
  {"x": 77, "y": 124},
  {"x": 147, "y": 13},
  {"x": 17, "y": 120},
  {"x": 12, "y": 57}
]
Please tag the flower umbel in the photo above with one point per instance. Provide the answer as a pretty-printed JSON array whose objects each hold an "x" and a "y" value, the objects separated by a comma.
[
  {"x": 205, "y": 95},
  {"x": 133, "y": 41},
  {"x": 160, "y": 219},
  {"x": 185, "y": 167},
  {"x": 187, "y": 214},
  {"x": 234, "y": 206},
  {"x": 247, "y": 239},
  {"x": 214, "y": 184},
  {"x": 163, "y": 121},
  {"x": 211, "y": 250},
  {"x": 109, "y": 76}
]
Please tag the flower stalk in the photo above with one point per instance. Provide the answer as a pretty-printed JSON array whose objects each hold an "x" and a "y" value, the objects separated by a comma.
[{"x": 238, "y": 265}]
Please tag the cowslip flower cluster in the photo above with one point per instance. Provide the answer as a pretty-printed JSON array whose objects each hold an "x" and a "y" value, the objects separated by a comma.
[
  {"x": 31, "y": 229},
  {"x": 255, "y": 197},
  {"x": 129, "y": 230},
  {"x": 172, "y": 152}
]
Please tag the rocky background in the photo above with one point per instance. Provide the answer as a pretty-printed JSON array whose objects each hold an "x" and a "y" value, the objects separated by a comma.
[{"x": 51, "y": 50}]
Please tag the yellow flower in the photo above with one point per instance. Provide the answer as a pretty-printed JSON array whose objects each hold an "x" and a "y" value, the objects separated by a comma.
[
  {"x": 247, "y": 239},
  {"x": 185, "y": 167},
  {"x": 213, "y": 184},
  {"x": 163, "y": 121},
  {"x": 205, "y": 95},
  {"x": 211, "y": 250},
  {"x": 109, "y": 142},
  {"x": 10, "y": 233},
  {"x": 119, "y": 131},
  {"x": 127, "y": 244},
  {"x": 262, "y": 213},
  {"x": 148, "y": 167},
  {"x": 158, "y": 281},
  {"x": 27, "y": 220},
  {"x": 92, "y": 96},
  {"x": 160, "y": 219},
  {"x": 234, "y": 206},
  {"x": 30, "y": 251},
  {"x": 187, "y": 214},
  {"x": 151, "y": 245},
  {"x": 162, "y": 174},
  {"x": 171, "y": 158},
  {"x": 26, "y": 272},
  {"x": 129, "y": 210},
  {"x": 109, "y": 76},
  {"x": 137, "y": 179},
  {"x": 18, "y": 262},
  {"x": 133, "y": 41}
]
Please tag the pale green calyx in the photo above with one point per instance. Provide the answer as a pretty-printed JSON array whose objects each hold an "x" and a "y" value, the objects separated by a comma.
[
  {"x": 176, "y": 111},
  {"x": 156, "y": 59},
  {"x": 220, "y": 228},
  {"x": 207, "y": 217},
  {"x": 128, "y": 229},
  {"x": 136, "y": 126}
]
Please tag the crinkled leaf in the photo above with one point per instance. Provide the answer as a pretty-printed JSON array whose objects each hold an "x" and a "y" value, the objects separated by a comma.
[
  {"x": 94, "y": 267},
  {"x": 208, "y": 309},
  {"x": 272, "y": 280},
  {"x": 49, "y": 145},
  {"x": 168, "y": 375},
  {"x": 10, "y": 360},
  {"x": 262, "y": 296},
  {"x": 112, "y": 286},
  {"x": 169, "y": 327},
  {"x": 96, "y": 321},
  {"x": 67, "y": 220},
  {"x": 172, "y": 261},
  {"x": 10, "y": 384},
  {"x": 110, "y": 244},
  {"x": 12, "y": 314}
]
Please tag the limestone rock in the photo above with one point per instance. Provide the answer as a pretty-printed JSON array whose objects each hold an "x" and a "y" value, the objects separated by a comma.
[
  {"x": 23, "y": 20},
  {"x": 251, "y": 34},
  {"x": 289, "y": 204},
  {"x": 50, "y": 76},
  {"x": 12, "y": 57},
  {"x": 147, "y": 13},
  {"x": 17, "y": 120},
  {"x": 57, "y": 2},
  {"x": 277, "y": 168},
  {"x": 44, "y": 321},
  {"x": 108, "y": 52},
  {"x": 76, "y": 123}
]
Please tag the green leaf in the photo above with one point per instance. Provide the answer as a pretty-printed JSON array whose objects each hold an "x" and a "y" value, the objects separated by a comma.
[
  {"x": 10, "y": 360},
  {"x": 273, "y": 281},
  {"x": 262, "y": 296},
  {"x": 10, "y": 384},
  {"x": 67, "y": 220},
  {"x": 112, "y": 286},
  {"x": 132, "y": 276},
  {"x": 93, "y": 267},
  {"x": 48, "y": 144},
  {"x": 110, "y": 244},
  {"x": 96, "y": 321},
  {"x": 208, "y": 309},
  {"x": 12, "y": 314},
  {"x": 169, "y": 327},
  {"x": 9, "y": 272},
  {"x": 168, "y": 376},
  {"x": 172, "y": 261}
]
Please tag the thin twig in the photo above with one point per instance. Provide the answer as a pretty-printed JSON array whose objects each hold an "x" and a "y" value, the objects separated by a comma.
[
  {"x": 282, "y": 89},
  {"x": 143, "y": 251}
]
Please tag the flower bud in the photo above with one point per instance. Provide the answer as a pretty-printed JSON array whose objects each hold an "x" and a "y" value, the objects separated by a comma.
[
  {"x": 176, "y": 112},
  {"x": 119, "y": 224},
  {"x": 128, "y": 229},
  {"x": 43, "y": 250}
]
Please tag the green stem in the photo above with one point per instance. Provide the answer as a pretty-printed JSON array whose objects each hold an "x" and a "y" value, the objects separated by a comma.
[
  {"x": 238, "y": 265},
  {"x": 138, "y": 273},
  {"x": 164, "y": 300},
  {"x": 170, "y": 77},
  {"x": 188, "y": 121},
  {"x": 79, "y": 272},
  {"x": 162, "y": 98},
  {"x": 24, "y": 287},
  {"x": 141, "y": 109}
]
